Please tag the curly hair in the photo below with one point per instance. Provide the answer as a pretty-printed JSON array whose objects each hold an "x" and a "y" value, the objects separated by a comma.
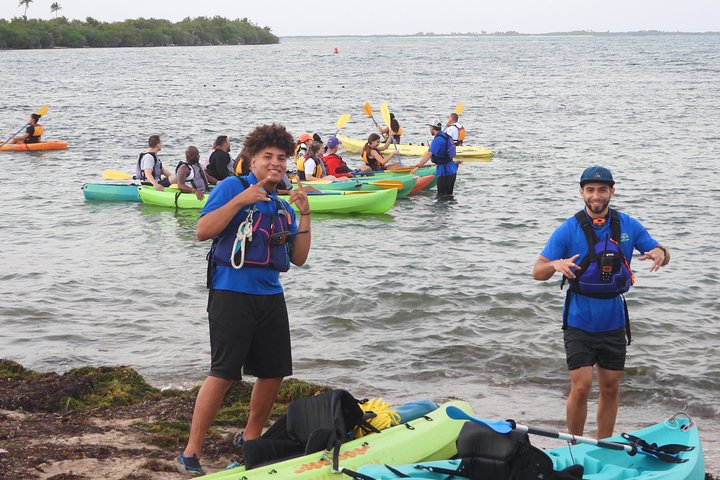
[{"x": 265, "y": 136}]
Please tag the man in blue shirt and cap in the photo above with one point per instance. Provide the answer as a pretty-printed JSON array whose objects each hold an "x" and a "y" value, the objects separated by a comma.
[
  {"x": 446, "y": 169},
  {"x": 593, "y": 250}
]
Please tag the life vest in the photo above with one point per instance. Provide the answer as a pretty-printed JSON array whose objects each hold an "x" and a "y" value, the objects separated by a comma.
[
  {"x": 370, "y": 160},
  {"x": 460, "y": 130},
  {"x": 34, "y": 137},
  {"x": 318, "y": 172},
  {"x": 270, "y": 245},
  {"x": 604, "y": 272},
  {"x": 448, "y": 153},
  {"x": 300, "y": 151},
  {"x": 156, "y": 170},
  {"x": 196, "y": 178}
]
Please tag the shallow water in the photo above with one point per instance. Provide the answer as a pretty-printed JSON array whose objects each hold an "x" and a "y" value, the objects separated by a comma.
[{"x": 434, "y": 299}]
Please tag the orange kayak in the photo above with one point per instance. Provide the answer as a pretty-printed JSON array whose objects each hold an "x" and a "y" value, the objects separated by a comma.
[
  {"x": 421, "y": 183},
  {"x": 34, "y": 147}
]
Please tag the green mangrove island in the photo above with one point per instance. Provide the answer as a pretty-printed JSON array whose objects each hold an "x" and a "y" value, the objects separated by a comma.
[{"x": 21, "y": 33}]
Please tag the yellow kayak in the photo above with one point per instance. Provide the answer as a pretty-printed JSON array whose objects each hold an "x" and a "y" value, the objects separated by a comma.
[{"x": 464, "y": 152}]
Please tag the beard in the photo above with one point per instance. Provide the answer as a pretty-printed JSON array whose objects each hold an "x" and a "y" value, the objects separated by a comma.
[{"x": 597, "y": 210}]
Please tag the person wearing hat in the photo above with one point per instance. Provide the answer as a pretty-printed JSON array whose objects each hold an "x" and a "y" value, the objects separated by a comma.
[
  {"x": 592, "y": 250},
  {"x": 446, "y": 171},
  {"x": 336, "y": 166},
  {"x": 301, "y": 147}
]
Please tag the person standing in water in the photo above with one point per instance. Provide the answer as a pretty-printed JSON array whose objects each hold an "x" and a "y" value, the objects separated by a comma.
[{"x": 593, "y": 250}]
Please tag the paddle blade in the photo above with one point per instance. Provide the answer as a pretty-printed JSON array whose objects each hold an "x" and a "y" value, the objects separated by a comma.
[
  {"x": 43, "y": 110},
  {"x": 397, "y": 184},
  {"x": 456, "y": 414},
  {"x": 367, "y": 108},
  {"x": 459, "y": 109},
  {"x": 385, "y": 111},
  {"x": 342, "y": 121},
  {"x": 116, "y": 175}
]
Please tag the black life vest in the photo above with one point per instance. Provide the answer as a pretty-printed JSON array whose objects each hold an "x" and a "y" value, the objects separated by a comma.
[{"x": 604, "y": 272}]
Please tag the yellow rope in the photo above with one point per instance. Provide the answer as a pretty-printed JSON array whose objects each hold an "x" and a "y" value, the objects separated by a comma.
[{"x": 384, "y": 417}]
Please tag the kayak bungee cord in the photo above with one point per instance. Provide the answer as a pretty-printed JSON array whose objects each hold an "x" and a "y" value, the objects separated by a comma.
[{"x": 244, "y": 233}]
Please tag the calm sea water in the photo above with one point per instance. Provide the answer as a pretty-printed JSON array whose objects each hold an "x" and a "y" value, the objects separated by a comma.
[{"x": 433, "y": 300}]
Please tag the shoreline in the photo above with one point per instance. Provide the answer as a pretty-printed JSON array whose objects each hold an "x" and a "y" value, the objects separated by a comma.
[{"x": 108, "y": 422}]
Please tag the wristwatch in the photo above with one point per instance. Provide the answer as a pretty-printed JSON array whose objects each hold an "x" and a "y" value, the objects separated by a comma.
[{"x": 662, "y": 248}]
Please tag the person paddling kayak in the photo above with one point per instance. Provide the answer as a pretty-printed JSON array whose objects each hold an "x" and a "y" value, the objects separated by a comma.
[{"x": 33, "y": 131}]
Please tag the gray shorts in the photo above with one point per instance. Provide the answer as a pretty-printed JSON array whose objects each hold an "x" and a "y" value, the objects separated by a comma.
[{"x": 585, "y": 349}]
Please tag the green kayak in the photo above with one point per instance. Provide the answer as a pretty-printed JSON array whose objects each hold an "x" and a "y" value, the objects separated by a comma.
[
  {"x": 324, "y": 202},
  {"x": 402, "y": 183},
  {"x": 429, "y": 437}
]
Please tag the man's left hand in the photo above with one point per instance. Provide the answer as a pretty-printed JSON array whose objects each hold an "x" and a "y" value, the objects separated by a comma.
[{"x": 657, "y": 255}]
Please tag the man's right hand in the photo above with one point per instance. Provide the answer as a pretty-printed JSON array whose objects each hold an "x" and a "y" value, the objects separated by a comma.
[
  {"x": 566, "y": 266},
  {"x": 159, "y": 187},
  {"x": 254, "y": 193}
]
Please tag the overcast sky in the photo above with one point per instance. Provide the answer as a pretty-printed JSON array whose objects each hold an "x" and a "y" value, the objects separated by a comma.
[{"x": 355, "y": 17}]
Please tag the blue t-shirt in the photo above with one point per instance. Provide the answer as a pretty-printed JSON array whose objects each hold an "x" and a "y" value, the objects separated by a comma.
[
  {"x": 252, "y": 280},
  {"x": 438, "y": 147},
  {"x": 587, "y": 313}
]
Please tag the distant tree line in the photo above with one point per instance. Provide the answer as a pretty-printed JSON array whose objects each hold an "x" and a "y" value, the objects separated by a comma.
[{"x": 20, "y": 33}]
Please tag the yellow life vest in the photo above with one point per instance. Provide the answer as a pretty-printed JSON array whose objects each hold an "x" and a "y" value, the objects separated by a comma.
[
  {"x": 399, "y": 132},
  {"x": 317, "y": 173}
]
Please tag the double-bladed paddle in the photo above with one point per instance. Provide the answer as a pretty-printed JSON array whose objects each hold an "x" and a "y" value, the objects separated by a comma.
[
  {"x": 385, "y": 111},
  {"x": 41, "y": 111},
  {"x": 341, "y": 122},
  {"x": 666, "y": 453},
  {"x": 116, "y": 175}
]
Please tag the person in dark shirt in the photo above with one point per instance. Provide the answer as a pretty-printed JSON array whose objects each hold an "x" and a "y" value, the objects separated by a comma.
[{"x": 220, "y": 165}]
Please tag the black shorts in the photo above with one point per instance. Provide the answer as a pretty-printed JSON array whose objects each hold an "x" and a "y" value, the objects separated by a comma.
[
  {"x": 585, "y": 349},
  {"x": 250, "y": 334}
]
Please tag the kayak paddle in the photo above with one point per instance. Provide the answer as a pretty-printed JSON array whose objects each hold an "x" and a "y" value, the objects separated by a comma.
[
  {"x": 41, "y": 111},
  {"x": 367, "y": 108},
  {"x": 385, "y": 111},
  {"x": 666, "y": 453},
  {"x": 341, "y": 122},
  {"x": 116, "y": 175},
  {"x": 459, "y": 109}
]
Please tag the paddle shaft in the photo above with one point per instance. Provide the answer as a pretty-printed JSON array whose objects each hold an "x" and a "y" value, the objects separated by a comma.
[
  {"x": 13, "y": 135},
  {"x": 506, "y": 426},
  {"x": 576, "y": 438}
]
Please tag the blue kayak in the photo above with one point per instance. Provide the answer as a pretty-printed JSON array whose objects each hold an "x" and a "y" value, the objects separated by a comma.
[
  {"x": 598, "y": 463},
  {"x": 111, "y": 192}
]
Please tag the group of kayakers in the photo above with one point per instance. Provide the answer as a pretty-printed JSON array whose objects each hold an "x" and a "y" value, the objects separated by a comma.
[{"x": 257, "y": 235}]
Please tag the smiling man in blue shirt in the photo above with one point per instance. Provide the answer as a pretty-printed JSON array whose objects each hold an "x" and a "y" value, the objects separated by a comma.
[{"x": 593, "y": 250}]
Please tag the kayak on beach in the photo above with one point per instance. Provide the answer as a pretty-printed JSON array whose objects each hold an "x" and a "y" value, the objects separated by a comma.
[
  {"x": 429, "y": 437},
  {"x": 669, "y": 450},
  {"x": 374, "y": 202},
  {"x": 34, "y": 147},
  {"x": 464, "y": 152}
]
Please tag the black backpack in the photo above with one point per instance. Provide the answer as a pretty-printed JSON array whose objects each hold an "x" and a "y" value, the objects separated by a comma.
[{"x": 312, "y": 424}]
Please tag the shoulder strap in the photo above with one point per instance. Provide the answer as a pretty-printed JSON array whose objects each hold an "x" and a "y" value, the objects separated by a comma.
[
  {"x": 614, "y": 225},
  {"x": 587, "y": 229},
  {"x": 244, "y": 182}
]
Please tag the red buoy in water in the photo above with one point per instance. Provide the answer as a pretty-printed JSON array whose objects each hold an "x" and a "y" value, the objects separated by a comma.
[{"x": 335, "y": 50}]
